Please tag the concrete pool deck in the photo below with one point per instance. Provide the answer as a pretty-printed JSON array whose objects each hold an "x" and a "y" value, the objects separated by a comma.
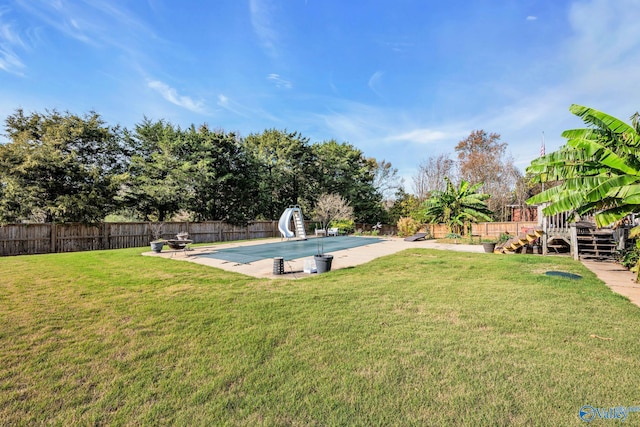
[
  {"x": 616, "y": 277},
  {"x": 294, "y": 268}
]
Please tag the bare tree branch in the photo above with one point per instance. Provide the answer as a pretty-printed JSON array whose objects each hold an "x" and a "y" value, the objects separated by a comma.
[{"x": 332, "y": 207}]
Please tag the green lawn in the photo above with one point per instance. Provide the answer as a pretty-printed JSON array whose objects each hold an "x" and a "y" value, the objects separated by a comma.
[{"x": 418, "y": 338}]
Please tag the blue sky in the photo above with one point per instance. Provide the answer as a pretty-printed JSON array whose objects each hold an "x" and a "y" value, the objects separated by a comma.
[{"x": 401, "y": 80}]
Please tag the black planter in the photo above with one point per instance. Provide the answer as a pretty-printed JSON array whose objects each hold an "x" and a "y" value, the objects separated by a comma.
[
  {"x": 489, "y": 247},
  {"x": 323, "y": 263},
  {"x": 157, "y": 246}
]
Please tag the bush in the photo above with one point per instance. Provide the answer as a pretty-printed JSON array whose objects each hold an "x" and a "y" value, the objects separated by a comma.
[
  {"x": 453, "y": 236},
  {"x": 344, "y": 226},
  {"x": 504, "y": 238},
  {"x": 630, "y": 257},
  {"x": 407, "y": 226}
]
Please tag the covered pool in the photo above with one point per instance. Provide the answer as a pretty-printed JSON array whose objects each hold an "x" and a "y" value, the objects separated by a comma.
[{"x": 289, "y": 250}]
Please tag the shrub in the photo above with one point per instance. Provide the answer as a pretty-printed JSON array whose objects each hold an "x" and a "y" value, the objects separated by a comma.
[
  {"x": 630, "y": 257},
  {"x": 504, "y": 238},
  {"x": 345, "y": 226},
  {"x": 453, "y": 236},
  {"x": 407, "y": 226}
]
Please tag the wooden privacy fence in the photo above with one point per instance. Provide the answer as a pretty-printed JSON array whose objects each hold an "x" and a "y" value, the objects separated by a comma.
[
  {"x": 23, "y": 239},
  {"x": 486, "y": 230}
]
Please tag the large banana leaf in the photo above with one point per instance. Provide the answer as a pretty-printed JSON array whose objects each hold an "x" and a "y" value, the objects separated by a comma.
[
  {"x": 606, "y": 123},
  {"x": 548, "y": 195},
  {"x": 633, "y": 199},
  {"x": 625, "y": 192},
  {"x": 593, "y": 134},
  {"x": 612, "y": 215},
  {"x": 563, "y": 164},
  {"x": 477, "y": 215},
  {"x": 609, "y": 187},
  {"x": 603, "y": 155},
  {"x": 585, "y": 182},
  {"x": 566, "y": 201},
  {"x": 570, "y": 185}
]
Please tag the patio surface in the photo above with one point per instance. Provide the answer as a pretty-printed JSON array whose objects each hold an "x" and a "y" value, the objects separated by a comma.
[{"x": 294, "y": 267}]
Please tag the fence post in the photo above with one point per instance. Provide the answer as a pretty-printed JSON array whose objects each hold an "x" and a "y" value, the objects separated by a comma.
[
  {"x": 104, "y": 241},
  {"x": 53, "y": 237},
  {"x": 574, "y": 241}
]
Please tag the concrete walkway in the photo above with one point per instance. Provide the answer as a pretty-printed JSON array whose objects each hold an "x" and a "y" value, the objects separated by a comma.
[{"x": 615, "y": 276}]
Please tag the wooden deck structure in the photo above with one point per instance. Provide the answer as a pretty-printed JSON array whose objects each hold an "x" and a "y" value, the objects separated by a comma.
[{"x": 582, "y": 239}]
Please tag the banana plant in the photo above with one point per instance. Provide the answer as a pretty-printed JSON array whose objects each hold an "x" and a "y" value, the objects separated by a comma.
[
  {"x": 598, "y": 169},
  {"x": 457, "y": 206}
]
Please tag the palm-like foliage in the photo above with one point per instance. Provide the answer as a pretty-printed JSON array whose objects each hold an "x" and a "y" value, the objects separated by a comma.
[
  {"x": 457, "y": 207},
  {"x": 598, "y": 169}
]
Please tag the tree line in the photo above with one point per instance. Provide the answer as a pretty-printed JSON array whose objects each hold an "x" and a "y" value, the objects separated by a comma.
[
  {"x": 442, "y": 184},
  {"x": 61, "y": 167}
]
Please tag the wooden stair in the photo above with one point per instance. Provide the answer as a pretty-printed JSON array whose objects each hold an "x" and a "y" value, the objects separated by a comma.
[{"x": 515, "y": 243}]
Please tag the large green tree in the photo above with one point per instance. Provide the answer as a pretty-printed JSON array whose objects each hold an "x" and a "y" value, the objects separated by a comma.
[
  {"x": 59, "y": 168},
  {"x": 598, "y": 169},
  {"x": 340, "y": 168},
  {"x": 457, "y": 207},
  {"x": 291, "y": 171},
  {"x": 157, "y": 179},
  {"x": 282, "y": 161},
  {"x": 404, "y": 205},
  {"x": 222, "y": 183}
]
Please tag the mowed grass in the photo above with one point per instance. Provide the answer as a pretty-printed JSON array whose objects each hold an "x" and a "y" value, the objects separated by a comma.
[{"x": 418, "y": 338}]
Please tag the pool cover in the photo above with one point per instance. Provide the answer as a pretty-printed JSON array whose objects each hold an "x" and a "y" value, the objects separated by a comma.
[{"x": 290, "y": 249}]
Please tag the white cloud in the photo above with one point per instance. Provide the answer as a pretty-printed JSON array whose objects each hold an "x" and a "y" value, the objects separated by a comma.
[
  {"x": 10, "y": 40},
  {"x": 95, "y": 23},
  {"x": 374, "y": 82},
  {"x": 354, "y": 122},
  {"x": 398, "y": 46},
  {"x": 532, "y": 18},
  {"x": 10, "y": 62},
  {"x": 223, "y": 101},
  {"x": 262, "y": 22},
  {"x": 420, "y": 136},
  {"x": 603, "y": 55},
  {"x": 9, "y": 59},
  {"x": 229, "y": 105},
  {"x": 606, "y": 34},
  {"x": 279, "y": 81},
  {"x": 171, "y": 95}
]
